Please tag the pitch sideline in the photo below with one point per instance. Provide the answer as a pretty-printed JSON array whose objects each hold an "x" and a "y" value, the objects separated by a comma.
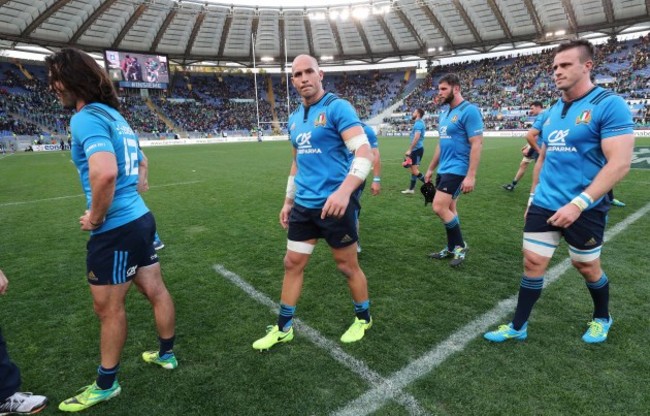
[
  {"x": 376, "y": 398},
  {"x": 56, "y": 198},
  {"x": 357, "y": 366}
]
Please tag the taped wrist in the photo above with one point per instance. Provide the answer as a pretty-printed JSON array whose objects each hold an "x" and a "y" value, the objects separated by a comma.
[
  {"x": 291, "y": 187},
  {"x": 582, "y": 201},
  {"x": 360, "y": 167}
]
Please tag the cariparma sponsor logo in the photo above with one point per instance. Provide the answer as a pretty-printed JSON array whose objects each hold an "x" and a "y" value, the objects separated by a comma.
[
  {"x": 584, "y": 117},
  {"x": 557, "y": 141},
  {"x": 303, "y": 142}
]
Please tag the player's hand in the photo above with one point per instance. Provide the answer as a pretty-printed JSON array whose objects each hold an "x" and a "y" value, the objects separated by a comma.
[
  {"x": 468, "y": 184},
  {"x": 375, "y": 188},
  {"x": 84, "y": 221},
  {"x": 427, "y": 176},
  {"x": 3, "y": 283},
  {"x": 524, "y": 150},
  {"x": 335, "y": 205},
  {"x": 284, "y": 215},
  {"x": 143, "y": 186},
  {"x": 565, "y": 216},
  {"x": 407, "y": 153}
]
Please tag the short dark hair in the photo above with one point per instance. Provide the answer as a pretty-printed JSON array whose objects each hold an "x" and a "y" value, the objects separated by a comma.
[
  {"x": 420, "y": 112},
  {"x": 586, "y": 47},
  {"x": 81, "y": 74},
  {"x": 537, "y": 104},
  {"x": 451, "y": 79}
]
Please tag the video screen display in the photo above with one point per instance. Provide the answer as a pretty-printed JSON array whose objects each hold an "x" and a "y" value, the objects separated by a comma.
[{"x": 137, "y": 70}]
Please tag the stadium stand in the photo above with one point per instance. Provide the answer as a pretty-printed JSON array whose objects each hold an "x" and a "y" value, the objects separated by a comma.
[{"x": 213, "y": 104}]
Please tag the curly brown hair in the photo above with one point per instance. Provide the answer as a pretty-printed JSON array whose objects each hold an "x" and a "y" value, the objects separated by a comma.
[{"x": 81, "y": 75}]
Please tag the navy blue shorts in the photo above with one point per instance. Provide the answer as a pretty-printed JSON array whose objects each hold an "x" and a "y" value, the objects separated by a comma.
[
  {"x": 585, "y": 233},
  {"x": 113, "y": 257},
  {"x": 449, "y": 184},
  {"x": 416, "y": 156},
  {"x": 306, "y": 224}
]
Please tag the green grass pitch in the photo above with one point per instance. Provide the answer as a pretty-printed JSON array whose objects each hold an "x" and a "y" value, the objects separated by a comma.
[{"x": 219, "y": 204}]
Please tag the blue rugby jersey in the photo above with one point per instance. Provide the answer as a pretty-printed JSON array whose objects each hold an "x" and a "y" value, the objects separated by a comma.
[
  {"x": 456, "y": 126},
  {"x": 418, "y": 126},
  {"x": 372, "y": 136},
  {"x": 322, "y": 158},
  {"x": 572, "y": 134},
  {"x": 538, "y": 124},
  {"x": 100, "y": 128}
]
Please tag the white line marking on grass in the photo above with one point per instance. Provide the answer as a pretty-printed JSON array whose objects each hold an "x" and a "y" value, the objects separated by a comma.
[
  {"x": 56, "y": 198},
  {"x": 5, "y": 156},
  {"x": 357, "y": 366},
  {"x": 376, "y": 398}
]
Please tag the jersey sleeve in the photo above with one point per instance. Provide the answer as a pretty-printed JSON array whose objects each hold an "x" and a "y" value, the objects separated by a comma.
[
  {"x": 343, "y": 115},
  {"x": 473, "y": 122},
  {"x": 419, "y": 126},
  {"x": 372, "y": 137},
  {"x": 616, "y": 118},
  {"x": 93, "y": 133},
  {"x": 539, "y": 121}
]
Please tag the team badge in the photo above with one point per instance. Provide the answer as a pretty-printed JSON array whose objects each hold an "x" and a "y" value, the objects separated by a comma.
[
  {"x": 293, "y": 126},
  {"x": 454, "y": 119},
  {"x": 320, "y": 120},
  {"x": 584, "y": 118}
]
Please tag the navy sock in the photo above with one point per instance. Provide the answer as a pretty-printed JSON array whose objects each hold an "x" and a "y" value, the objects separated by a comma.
[
  {"x": 106, "y": 377},
  {"x": 166, "y": 346},
  {"x": 600, "y": 295},
  {"x": 413, "y": 180},
  {"x": 454, "y": 235},
  {"x": 285, "y": 318},
  {"x": 530, "y": 290},
  {"x": 362, "y": 310},
  {"x": 421, "y": 177},
  {"x": 514, "y": 182}
]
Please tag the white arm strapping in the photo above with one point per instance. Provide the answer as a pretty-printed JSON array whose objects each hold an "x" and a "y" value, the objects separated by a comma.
[
  {"x": 356, "y": 142},
  {"x": 291, "y": 187},
  {"x": 360, "y": 167}
]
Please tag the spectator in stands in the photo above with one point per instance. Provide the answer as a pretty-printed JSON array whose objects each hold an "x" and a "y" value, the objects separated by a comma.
[{"x": 11, "y": 400}]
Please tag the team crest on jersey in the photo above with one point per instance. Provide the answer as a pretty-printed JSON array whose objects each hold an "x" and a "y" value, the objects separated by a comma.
[
  {"x": 293, "y": 126},
  {"x": 320, "y": 120},
  {"x": 454, "y": 119},
  {"x": 584, "y": 117}
]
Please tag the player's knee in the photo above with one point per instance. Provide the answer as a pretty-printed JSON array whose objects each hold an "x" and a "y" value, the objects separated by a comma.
[
  {"x": 439, "y": 207},
  {"x": 533, "y": 264},
  {"x": 107, "y": 310},
  {"x": 589, "y": 270}
]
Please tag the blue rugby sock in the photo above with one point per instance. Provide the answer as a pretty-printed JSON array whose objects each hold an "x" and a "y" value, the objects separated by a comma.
[
  {"x": 106, "y": 377},
  {"x": 166, "y": 346},
  {"x": 530, "y": 289},
  {"x": 362, "y": 310},
  {"x": 454, "y": 235},
  {"x": 600, "y": 295},
  {"x": 285, "y": 318},
  {"x": 413, "y": 180}
]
